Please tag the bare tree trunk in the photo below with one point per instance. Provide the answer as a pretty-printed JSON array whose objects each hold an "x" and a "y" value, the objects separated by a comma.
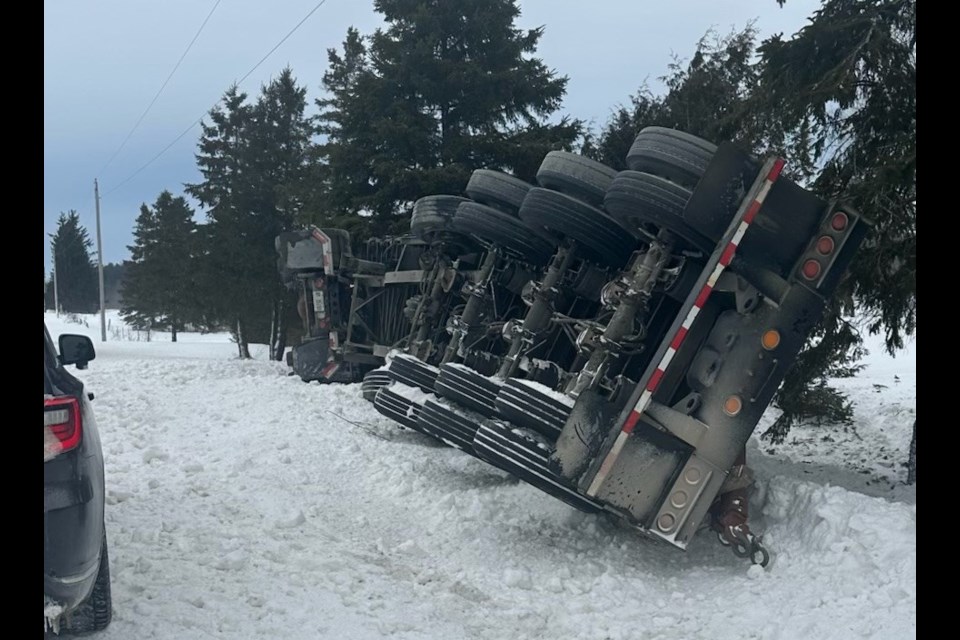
[
  {"x": 278, "y": 337},
  {"x": 273, "y": 331},
  {"x": 912, "y": 460},
  {"x": 242, "y": 346},
  {"x": 236, "y": 337}
]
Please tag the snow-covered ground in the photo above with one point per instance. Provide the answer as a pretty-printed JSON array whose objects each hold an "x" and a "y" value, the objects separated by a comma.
[{"x": 243, "y": 503}]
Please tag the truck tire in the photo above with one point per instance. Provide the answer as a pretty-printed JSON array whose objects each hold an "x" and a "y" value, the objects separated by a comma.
[
  {"x": 603, "y": 239},
  {"x": 432, "y": 214},
  {"x": 675, "y": 155},
  {"x": 526, "y": 406},
  {"x": 412, "y": 372},
  {"x": 497, "y": 189},
  {"x": 453, "y": 426},
  {"x": 524, "y": 454},
  {"x": 504, "y": 230},
  {"x": 576, "y": 176},
  {"x": 466, "y": 387},
  {"x": 394, "y": 405},
  {"x": 372, "y": 382},
  {"x": 637, "y": 199}
]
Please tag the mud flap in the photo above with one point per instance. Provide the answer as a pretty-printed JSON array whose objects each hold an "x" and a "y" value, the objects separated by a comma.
[
  {"x": 310, "y": 359},
  {"x": 583, "y": 434}
]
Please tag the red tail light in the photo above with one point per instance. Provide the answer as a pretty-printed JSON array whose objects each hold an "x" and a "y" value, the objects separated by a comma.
[
  {"x": 825, "y": 245},
  {"x": 62, "y": 426},
  {"x": 811, "y": 269},
  {"x": 839, "y": 221}
]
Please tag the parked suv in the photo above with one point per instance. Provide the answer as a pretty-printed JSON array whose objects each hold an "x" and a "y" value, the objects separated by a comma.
[{"x": 76, "y": 570}]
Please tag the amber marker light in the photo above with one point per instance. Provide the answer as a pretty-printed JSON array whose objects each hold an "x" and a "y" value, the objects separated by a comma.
[
  {"x": 770, "y": 340},
  {"x": 732, "y": 405}
]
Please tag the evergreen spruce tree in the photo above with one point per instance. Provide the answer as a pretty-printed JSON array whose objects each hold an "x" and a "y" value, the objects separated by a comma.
[
  {"x": 706, "y": 96},
  {"x": 841, "y": 94},
  {"x": 47, "y": 295},
  {"x": 159, "y": 286},
  {"x": 225, "y": 192},
  {"x": 140, "y": 308},
  {"x": 253, "y": 161},
  {"x": 838, "y": 100},
  {"x": 279, "y": 144},
  {"x": 76, "y": 272},
  {"x": 414, "y": 108}
]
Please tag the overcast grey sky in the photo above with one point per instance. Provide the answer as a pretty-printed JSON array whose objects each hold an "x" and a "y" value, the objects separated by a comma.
[{"x": 104, "y": 60}]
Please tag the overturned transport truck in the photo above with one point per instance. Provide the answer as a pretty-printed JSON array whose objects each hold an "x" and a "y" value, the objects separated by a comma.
[{"x": 619, "y": 334}]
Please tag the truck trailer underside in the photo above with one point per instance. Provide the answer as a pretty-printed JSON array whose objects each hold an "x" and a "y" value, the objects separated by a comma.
[{"x": 611, "y": 338}]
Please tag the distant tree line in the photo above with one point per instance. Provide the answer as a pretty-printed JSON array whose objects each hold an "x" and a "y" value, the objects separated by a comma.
[{"x": 78, "y": 285}]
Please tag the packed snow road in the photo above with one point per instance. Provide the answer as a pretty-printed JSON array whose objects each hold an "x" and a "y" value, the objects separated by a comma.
[{"x": 243, "y": 503}]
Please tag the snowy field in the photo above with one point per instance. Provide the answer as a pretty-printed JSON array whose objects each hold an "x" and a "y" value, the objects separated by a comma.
[{"x": 243, "y": 503}]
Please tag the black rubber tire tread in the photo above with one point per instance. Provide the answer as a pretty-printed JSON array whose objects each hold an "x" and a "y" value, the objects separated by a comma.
[
  {"x": 505, "y": 230},
  {"x": 467, "y": 396},
  {"x": 413, "y": 372},
  {"x": 497, "y": 189},
  {"x": 576, "y": 176},
  {"x": 468, "y": 388},
  {"x": 394, "y": 406},
  {"x": 453, "y": 426},
  {"x": 372, "y": 382},
  {"x": 636, "y": 198},
  {"x": 523, "y": 455},
  {"x": 94, "y": 613},
  {"x": 432, "y": 215},
  {"x": 526, "y": 407},
  {"x": 675, "y": 155},
  {"x": 602, "y": 238}
]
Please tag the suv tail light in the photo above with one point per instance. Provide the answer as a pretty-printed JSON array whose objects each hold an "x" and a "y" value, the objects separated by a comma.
[{"x": 62, "y": 426}]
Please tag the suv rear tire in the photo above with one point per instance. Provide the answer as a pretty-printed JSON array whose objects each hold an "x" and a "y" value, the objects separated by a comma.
[{"x": 94, "y": 613}]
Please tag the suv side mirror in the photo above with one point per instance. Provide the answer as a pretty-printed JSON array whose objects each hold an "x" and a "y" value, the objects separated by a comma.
[{"x": 76, "y": 349}]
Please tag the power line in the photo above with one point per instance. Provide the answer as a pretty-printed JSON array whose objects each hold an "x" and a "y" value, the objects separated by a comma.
[
  {"x": 162, "y": 87},
  {"x": 197, "y": 121},
  {"x": 154, "y": 158},
  {"x": 284, "y": 39}
]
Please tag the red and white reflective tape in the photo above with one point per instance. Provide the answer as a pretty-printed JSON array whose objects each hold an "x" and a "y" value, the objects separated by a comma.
[
  {"x": 334, "y": 341},
  {"x": 725, "y": 258},
  {"x": 329, "y": 370},
  {"x": 325, "y": 249}
]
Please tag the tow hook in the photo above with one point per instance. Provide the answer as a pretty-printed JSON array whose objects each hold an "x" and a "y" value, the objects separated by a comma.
[{"x": 744, "y": 544}]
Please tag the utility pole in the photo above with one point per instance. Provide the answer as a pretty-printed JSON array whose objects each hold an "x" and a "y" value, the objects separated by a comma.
[{"x": 103, "y": 312}]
